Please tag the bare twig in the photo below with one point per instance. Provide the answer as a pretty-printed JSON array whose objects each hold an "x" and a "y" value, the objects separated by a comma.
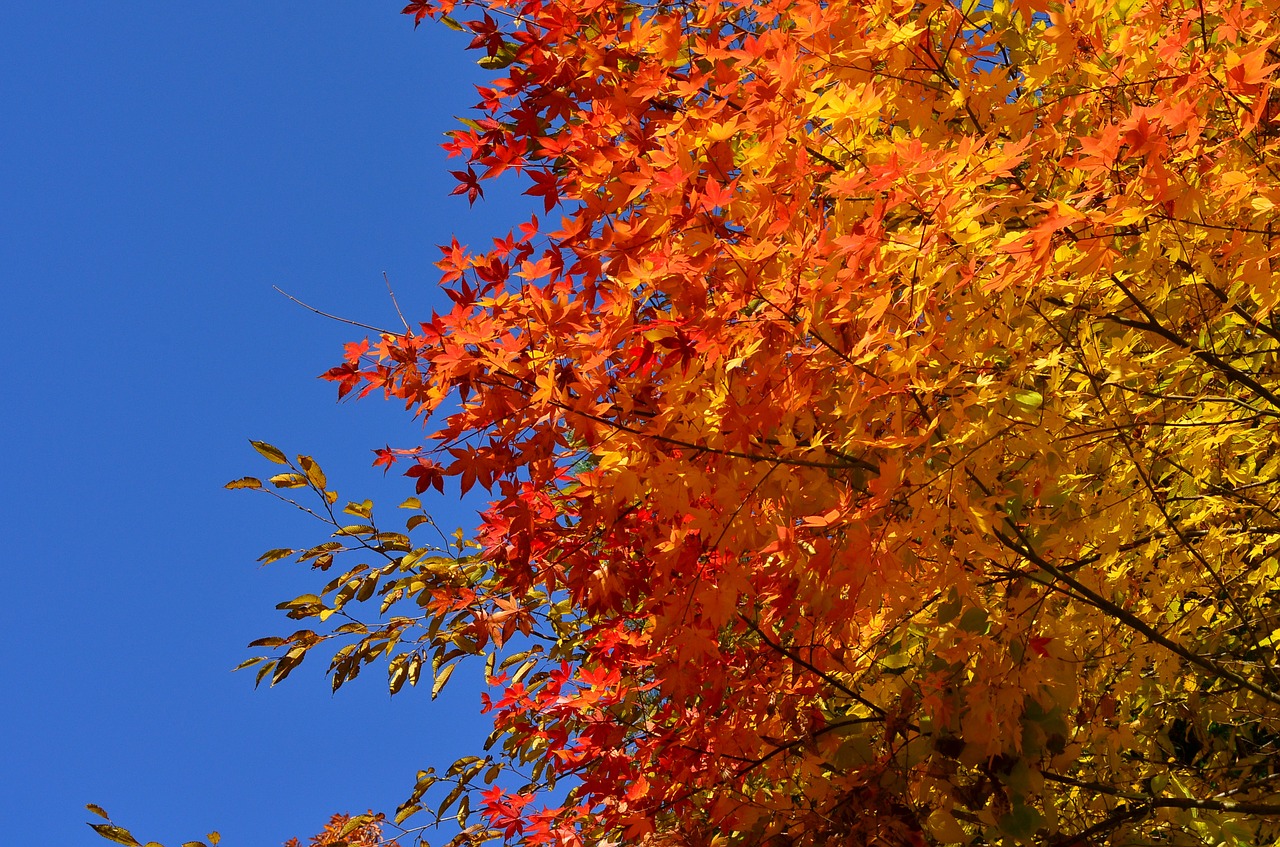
[
  {"x": 347, "y": 321},
  {"x": 395, "y": 302}
]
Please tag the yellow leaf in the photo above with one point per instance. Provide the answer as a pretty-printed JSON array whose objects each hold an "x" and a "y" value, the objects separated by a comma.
[
  {"x": 946, "y": 829},
  {"x": 442, "y": 677},
  {"x": 313, "y": 472},
  {"x": 274, "y": 454}
]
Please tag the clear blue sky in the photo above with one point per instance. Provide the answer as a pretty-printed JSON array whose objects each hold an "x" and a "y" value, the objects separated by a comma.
[{"x": 162, "y": 166}]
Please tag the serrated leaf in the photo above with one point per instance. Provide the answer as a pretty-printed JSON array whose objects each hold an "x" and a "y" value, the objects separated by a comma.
[
  {"x": 397, "y": 674},
  {"x": 98, "y": 810},
  {"x": 270, "y": 452},
  {"x": 288, "y": 480},
  {"x": 119, "y": 835},
  {"x": 248, "y": 663},
  {"x": 442, "y": 677},
  {"x": 244, "y": 482},
  {"x": 360, "y": 510},
  {"x": 314, "y": 475},
  {"x": 354, "y": 823},
  {"x": 411, "y": 503},
  {"x": 454, "y": 794},
  {"x": 300, "y": 600},
  {"x": 276, "y": 555}
]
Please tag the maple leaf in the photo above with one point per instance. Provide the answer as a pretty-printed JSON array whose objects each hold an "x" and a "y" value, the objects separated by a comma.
[
  {"x": 547, "y": 186},
  {"x": 419, "y": 9},
  {"x": 426, "y": 474},
  {"x": 878, "y": 449},
  {"x": 469, "y": 184}
]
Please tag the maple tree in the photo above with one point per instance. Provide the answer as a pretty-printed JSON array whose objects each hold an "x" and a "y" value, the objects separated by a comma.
[{"x": 880, "y": 443}]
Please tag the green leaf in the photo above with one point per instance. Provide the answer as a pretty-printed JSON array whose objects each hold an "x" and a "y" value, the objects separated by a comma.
[
  {"x": 451, "y": 23},
  {"x": 1021, "y": 822},
  {"x": 247, "y": 663},
  {"x": 98, "y": 810},
  {"x": 274, "y": 454},
  {"x": 948, "y": 609},
  {"x": 1028, "y": 398},
  {"x": 974, "y": 620},
  {"x": 896, "y": 662},
  {"x": 502, "y": 59},
  {"x": 244, "y": 482},
  {"x": 119, "y": 835}
]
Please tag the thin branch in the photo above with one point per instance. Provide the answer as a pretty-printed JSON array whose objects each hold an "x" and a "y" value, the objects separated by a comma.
[
  {"x": 347, "y": 321},
  {"x": 395, "y": 302},
  {"x": 824, "y": 676}
]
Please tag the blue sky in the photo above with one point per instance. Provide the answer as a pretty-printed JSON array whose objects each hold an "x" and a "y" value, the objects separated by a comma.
[{"x": 162, "y": 166}]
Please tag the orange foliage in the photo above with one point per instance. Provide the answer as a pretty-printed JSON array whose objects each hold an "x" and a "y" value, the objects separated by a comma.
[
  {"x": 879, "y": 424},
  {"x": 880, "y": 436},
  {"x": 363, "y": 835}
]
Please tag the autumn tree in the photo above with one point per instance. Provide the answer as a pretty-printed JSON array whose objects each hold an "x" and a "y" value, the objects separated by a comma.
[{"x": 879, "y": 425}]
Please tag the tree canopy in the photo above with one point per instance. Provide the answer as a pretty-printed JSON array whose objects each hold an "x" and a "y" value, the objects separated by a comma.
[{"x": 878, "y": 424}]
